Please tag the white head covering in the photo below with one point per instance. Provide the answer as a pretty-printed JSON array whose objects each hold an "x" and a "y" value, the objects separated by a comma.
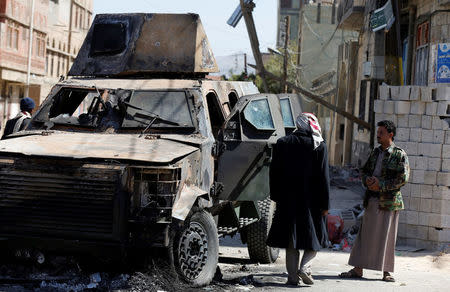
[{"x": 313, "y": 124}]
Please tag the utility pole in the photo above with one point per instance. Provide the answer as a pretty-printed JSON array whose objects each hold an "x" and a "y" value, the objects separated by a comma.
[
  {"x": 299, "y": 43},
  {"x": 69, "y": 37},
  {"x": 245, "y": 64},
  {"x": 30, "y": 50},
  {"x": 287, "y": 21},
  {"x": 250, "y": 24}
]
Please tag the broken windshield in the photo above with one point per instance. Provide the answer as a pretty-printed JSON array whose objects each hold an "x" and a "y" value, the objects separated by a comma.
[
  {"x": 117, "y": 109},
  {"x": 171, "y": 107}
]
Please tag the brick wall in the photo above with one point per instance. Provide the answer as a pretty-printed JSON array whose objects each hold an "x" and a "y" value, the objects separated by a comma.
[{"x": 420, "y": 113}]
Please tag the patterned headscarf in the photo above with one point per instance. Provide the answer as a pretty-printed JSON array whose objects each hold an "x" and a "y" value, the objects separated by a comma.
[{"x": 313, "y": 124}]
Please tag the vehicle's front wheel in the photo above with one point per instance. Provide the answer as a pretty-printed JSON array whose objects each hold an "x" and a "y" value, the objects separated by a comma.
[
  {"x": 196, "y": 249},
  {"x": 257, "y": 235}
]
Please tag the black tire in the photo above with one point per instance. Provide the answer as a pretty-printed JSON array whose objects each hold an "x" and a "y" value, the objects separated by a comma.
[
  {"x": 257, "y": 235},
  {"x": 196, "y": 249}
]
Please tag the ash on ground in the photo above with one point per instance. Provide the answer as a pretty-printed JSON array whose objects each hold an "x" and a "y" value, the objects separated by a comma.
[{"x": 67, "y": 274}]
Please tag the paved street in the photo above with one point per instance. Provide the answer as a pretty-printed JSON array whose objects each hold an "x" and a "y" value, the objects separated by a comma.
[{"x": 415, "y": 271}]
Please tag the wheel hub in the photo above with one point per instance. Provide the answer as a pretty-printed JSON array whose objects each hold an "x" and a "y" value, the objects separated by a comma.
[{"x": 193, "y": 250}]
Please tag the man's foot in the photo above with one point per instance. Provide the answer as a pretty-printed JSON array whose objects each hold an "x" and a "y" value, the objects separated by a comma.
[
  {"x": 387, "y": 277},
  {"x": 306, "y": 278},
  {"x": 353, "y": 273},
  {"x": 292, "y": 283}
]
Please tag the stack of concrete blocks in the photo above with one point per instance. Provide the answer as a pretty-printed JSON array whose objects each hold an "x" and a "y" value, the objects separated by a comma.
[{"x": 420, "y": 114}]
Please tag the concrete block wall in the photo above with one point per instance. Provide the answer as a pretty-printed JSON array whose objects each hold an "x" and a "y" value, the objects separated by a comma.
[{"x": 422, "y": 131}]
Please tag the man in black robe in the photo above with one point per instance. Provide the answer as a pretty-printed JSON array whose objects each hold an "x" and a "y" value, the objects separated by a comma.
[{"x": 299, "y": 184}]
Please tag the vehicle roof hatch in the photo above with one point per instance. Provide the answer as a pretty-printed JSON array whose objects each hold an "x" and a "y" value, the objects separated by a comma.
[{"x": 139, "y": 44}]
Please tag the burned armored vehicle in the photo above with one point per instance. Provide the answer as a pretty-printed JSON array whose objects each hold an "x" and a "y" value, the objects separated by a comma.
[{"x": 137, "y": 149}]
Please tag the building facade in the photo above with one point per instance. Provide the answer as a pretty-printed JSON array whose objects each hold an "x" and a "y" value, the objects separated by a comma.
[
  {"x": 15, "y": 20},
  {"x": 322, "y": 47},
  {"x": 68, "y": 22},
  {"x": 59, "y": 28}
]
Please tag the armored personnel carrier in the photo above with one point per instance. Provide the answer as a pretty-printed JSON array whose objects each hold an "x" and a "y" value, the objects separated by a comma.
[{"x": 137, "y": 149}]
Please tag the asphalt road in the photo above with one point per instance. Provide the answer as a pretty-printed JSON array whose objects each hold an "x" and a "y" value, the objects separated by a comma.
[{"x": 415, "y": 271}]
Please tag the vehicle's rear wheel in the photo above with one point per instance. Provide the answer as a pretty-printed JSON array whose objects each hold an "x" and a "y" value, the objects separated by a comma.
[
  {"x": 196, "y": 249},
  {"x": 257, "y": 235}
]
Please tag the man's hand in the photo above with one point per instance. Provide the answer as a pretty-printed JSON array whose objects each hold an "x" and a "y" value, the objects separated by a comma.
[
  {"x": 370, "y": 180},
  {"x": 324, "y": 212},
  {"x": 375, "y": 184}
]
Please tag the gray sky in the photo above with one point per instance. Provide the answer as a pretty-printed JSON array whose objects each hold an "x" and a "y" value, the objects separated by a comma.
[{"x": 224, "y": 39}]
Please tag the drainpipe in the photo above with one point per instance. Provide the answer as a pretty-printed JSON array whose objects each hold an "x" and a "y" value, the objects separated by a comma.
[
  {"x": 399, "y": 42},
  {"x": 412, "y": 21},
  {"x": 69, "y": 41},
  {"x": 30, "y": 49}
]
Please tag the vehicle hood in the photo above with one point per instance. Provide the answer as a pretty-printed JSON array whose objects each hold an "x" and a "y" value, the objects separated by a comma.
[{"x": 103, "y": 146}]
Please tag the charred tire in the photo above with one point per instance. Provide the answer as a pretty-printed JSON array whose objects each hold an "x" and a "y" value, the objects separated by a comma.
[
  {"x": 257, "y": 235},
  {"x": 196, "y": 249}
]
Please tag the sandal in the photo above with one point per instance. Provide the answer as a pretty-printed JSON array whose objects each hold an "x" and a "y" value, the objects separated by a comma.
[
  {"x": 388, "y": 278},
  {"x": 350, "y": 274}
]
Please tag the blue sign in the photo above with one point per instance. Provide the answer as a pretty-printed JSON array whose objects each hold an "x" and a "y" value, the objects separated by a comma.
[{"x": 443, "y": 63}]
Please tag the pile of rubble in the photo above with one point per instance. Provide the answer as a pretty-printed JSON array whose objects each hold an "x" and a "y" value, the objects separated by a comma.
[
  {"x": 344, "y": 177},
  {"x": 343, "y": 226}
]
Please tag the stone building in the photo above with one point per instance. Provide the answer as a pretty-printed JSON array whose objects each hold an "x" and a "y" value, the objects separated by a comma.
[
  {"x": 15, "y": 19},
  {"x": 68, "y": 22},
  {"x": 403, "y": 74},
  {"x": 320, "y": 52},
  {"x": 59, "y": 28}
]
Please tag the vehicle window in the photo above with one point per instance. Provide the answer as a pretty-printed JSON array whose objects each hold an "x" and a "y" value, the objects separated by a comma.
[
  {"x": 286, "y": 112},
  {"x": 257, "y": 112},
  {"x": 172, "y": 108},
  {"x": 68, "y": 105}
]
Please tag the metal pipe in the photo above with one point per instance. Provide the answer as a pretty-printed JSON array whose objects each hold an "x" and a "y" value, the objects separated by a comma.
[
  {"x": 69, "y": 36},
  {"x": 30, "y": 49},
  {"x": 299, "y": 40},
  {"x": 412, "y": 21}
]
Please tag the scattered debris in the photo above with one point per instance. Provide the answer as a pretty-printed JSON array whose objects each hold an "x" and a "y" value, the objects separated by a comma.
[
  {"x": 343, "y": 227},
  {"x": 63, "y": 274},
  {"x": 247, "y": 280},
  {"x": 244, "y": 268},
  {"x": 344, "y": 177},
  {"x": 335, "y": 226}
]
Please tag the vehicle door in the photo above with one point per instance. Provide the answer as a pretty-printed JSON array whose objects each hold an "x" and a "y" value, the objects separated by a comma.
[{"x": 255, "y": 123}]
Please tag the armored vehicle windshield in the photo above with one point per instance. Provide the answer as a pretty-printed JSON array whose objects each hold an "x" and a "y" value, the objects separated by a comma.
[{"x": 117, "y": 110}]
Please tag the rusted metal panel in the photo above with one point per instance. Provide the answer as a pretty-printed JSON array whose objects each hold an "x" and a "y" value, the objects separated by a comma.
[
  {"x": 144, "y": 43},
  {"x": 131, "y": 84},
  {"x": 154, "y": 193},
  {"x": 185, "y": 201},
  {"x": 195, "y": 139},
  {"x": 65, "y": 199},
  {"x": 85, "y": 145}
]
